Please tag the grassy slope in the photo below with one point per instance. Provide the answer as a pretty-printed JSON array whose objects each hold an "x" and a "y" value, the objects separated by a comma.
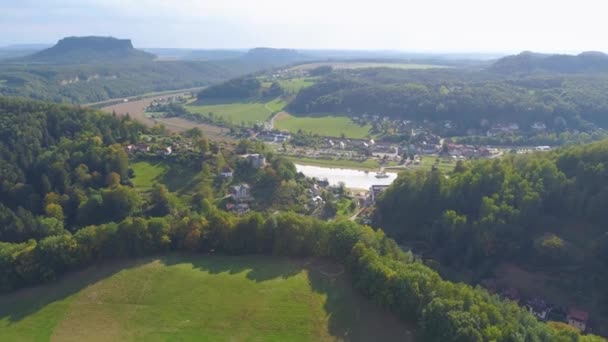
[
  {"x": 185, "y": 298},
  {"x": 247, "y": 112},
  {"x": 332, "y": 126},
  {"x": 175, "y": 177}
]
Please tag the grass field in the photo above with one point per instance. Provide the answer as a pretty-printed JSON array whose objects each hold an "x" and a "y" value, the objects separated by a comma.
[
  {"x": 199, "y": 298},
  {"x": 294, "y": 85},
  {"x": 275, "y": 105},
  {"x": 331, "y": 126},
  {"x": 176, "y": 178},
  {"x": 364, "y": 65},
  {"x": 427, "y": 162},
  {"x": 237, "y": 113}
]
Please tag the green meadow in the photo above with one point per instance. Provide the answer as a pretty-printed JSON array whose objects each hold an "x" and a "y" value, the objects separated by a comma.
[
  {"x": 199, "y": 298},
  {"x": 248, "y": 113},
  {"x": 179, "y": 178},
  {"x": 331, "y": 126}
]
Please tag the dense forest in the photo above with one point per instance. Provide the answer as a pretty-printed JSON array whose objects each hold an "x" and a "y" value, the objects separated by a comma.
[
  {"x": 98, "y": 82},
  {"x": 541, "y": 211},
  {"x": 240, "y": 89},
  {"x": 469, "y": 98},
  {"x": 66, "y": 202}
]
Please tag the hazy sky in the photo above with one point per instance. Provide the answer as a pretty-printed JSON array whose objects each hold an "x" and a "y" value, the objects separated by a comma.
[{"x": 412, "y": 25}]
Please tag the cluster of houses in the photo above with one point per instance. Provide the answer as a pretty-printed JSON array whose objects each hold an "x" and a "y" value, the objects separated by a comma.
[
  {"x": 163, "y": 146},
  {"x": 273, "y": 137},
  {"x": 541, "y": 309},
  {"x": 240, "y": 194},
  {"x": 145, "y": 148},
  {"x": 160, "y": 101}
]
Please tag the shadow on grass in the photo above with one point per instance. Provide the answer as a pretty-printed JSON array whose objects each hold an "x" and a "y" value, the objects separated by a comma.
[
  {"x": 350, "y": 316},
  {"x": 22, "y": 303}
]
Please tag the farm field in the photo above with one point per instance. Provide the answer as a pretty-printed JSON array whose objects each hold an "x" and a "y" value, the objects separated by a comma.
[
  {"x": 136, "y": 109},
  {"x": 147, "y": 174},
  {"x": 237, "y": 113},
  {"x": 331, "y": 126},
  {"x": 364, "y": 65},
  {"x": 202, "y": 298},
  {"x": 446, "y": 166}
]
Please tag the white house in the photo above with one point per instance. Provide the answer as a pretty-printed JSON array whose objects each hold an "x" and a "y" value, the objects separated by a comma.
[
  {"x": 539, "y": 126},
  {"x": 226, "y": 172},
  {"x": 241, "y": 193}
]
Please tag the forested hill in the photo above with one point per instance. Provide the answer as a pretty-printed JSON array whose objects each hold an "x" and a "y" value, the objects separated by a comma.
[
  {"x": 467, "y": 98},
  {"x": 529, "y": 62},
  {"x": 66, "y": 203},
  {"x": 97, "y": 82},
  {"x": 544, "y": 212},
  {"x": 87, "y": 50},
  {"x": 93, "y": 69},
  {"x": 52, "y": 155}
]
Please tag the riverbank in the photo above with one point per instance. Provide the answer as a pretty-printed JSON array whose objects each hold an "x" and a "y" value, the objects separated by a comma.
[
  {"x": 351, "y": 178},
  {"x": 367, "y": 165}
]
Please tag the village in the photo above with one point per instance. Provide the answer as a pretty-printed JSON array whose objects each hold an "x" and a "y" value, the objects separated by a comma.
[{"x": 540, "y": 308}]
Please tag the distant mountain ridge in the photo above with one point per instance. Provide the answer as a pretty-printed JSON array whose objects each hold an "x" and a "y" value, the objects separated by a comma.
[
  {"x": 92, "y": 49},
  {"x": 275, "y": 56},
  {"x": 529, "y": 62}
]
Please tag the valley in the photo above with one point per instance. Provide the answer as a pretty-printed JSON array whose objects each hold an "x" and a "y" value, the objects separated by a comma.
[{"x": 278, "y": 194}]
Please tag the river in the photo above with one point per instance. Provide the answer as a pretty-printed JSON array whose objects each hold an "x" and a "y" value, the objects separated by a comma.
[{"x": 354, "y": 179}]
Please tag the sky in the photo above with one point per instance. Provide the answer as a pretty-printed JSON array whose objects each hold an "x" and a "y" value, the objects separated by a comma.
[{"x": 404, "y": 25}]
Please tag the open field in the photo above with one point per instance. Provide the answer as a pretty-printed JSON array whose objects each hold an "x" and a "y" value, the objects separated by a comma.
[
  {"x": 427, "y": 162},
  {"x": 199, "y": 298},
  {"x": 364, "y": 65},
  {"x": 136, "y": 109},
  {"x": 294, "y": 85},
  {"x": 331, "y": 126},
  {"x": 179, "y": 179},
  {"x": 237, "y": 113}
]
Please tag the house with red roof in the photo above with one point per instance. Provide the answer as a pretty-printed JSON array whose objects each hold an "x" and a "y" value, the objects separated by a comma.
[{"x": 578, "y": 318}]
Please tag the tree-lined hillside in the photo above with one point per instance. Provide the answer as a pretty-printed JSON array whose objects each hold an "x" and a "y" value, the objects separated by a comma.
[
  {"x": 67, "y": 203},
  {"x": 467, "y": 98},
  {"x": 543, "y": 212}
]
